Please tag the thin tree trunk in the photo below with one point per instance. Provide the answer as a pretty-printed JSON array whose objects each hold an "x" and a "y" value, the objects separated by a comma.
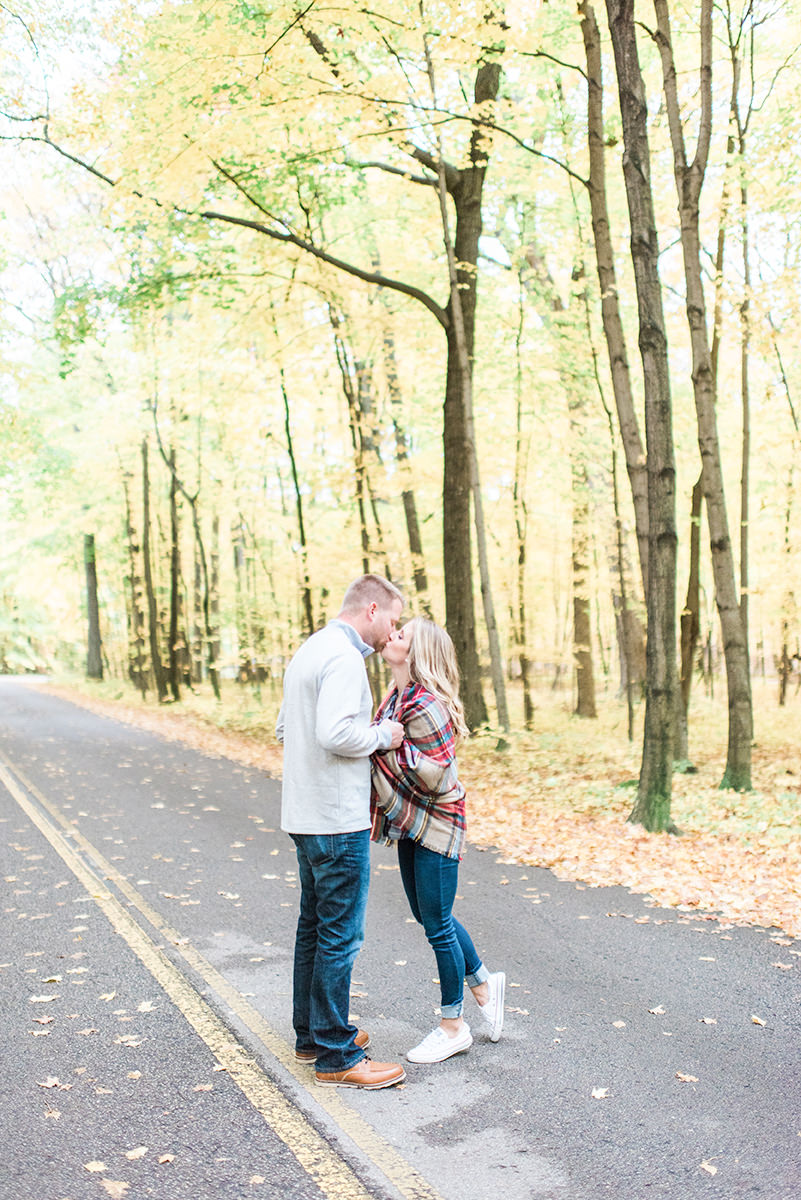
[
  {"x": 461, "y": 474},
  {"x": 173, "y": 673},
  {"x": 246, "y": 671},
  {"x": 789, "y": 603},
  {"x": 689, "y": 182},
  {"x": 137, "y": 668},
  {"x": 652, "y": 807},
  {"x": 691, "y": 614},
  {"x": 197, "y": 618},
  {"x": 582, "y": 631},
  {"x": 308, "y": 614},
  {"x": 211, "y": 595},
  {"x": 152, "y": 610},
  {"x": 408, "y": 499},
  {"x": 610, "y": 304},
  {"x": 169, "y": 461},
  {"x": 522, "y": 443},
  {"x": 94, "y": 646},
  {"x": 349, "y": 385}
]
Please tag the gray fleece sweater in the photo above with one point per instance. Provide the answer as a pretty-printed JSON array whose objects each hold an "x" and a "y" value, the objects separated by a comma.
[{"x": 324, "y": 724}]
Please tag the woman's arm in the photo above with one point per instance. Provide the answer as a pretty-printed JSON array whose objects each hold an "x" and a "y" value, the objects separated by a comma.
[{"x": 427, "y": 756}]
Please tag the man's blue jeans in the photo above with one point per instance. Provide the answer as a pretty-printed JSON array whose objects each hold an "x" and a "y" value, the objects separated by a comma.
[
  {"x": 334, "y": 871},
  {"x": 429, "y": 880}
]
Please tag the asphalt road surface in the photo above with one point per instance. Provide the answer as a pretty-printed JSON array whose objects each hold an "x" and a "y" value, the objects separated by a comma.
[{"x": 149, "y": 905}]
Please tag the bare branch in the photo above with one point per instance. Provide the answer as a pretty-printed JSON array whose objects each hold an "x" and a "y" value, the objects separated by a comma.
[
  {"x": 404, "y": 174},
  {"x": 373, "y": 277}
]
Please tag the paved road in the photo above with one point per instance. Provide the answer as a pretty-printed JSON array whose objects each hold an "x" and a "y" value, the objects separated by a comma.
[{"x": 149, "y": 907}]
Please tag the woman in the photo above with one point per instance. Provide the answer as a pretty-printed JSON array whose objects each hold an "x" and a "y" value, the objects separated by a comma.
[{"x": 418, "y": 802}]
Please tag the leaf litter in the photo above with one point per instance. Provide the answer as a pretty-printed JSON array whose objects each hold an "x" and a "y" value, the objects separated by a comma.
[{"x": 559, "y": 798}]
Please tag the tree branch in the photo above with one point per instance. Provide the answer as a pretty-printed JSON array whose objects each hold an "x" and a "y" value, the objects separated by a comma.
[
  {"x": 373, "y": 277},
  {"x": 379, "y": 166}
]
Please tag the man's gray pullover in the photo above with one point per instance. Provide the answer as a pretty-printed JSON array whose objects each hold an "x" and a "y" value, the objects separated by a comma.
[{"x": 324, "y": 724}]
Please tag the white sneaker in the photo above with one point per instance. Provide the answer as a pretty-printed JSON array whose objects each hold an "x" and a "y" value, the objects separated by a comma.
[
  {"x": 492, "y": 1011},
  {"x": 437, "y": 1046}
]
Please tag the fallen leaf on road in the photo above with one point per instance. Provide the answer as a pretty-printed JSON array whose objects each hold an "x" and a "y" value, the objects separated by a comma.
[
  {"x": 146, "y": 1006},
  {"x": 256, "y": 1179},
  {"x": 116, "y": 1188},
  {"x": 43, "y": 1020},
  {"x": 657, "y": 1011},
  {"x": 52, "y": 1112},
  {"x": 686, "y": 1078},
  {"x": 757, "y": 1020},
  {"x": 94, "y": 1166},
  {"x": 783, "y": 966},
  {"x": 167, "y": 1158},
  {"x": 709, "y": 1168},
  {"x": 41, "y": 999},
  {"x": 108, "y": 996},
  {"x": 708, "y": 1020},
  {"x": 618, "y": 1024},
  {"x": 599, "y": 1093},
  {"x": 50, "y": 1082},
  {"x": 203, "y": 1087},
  {"x": 139, "y": 1152}
]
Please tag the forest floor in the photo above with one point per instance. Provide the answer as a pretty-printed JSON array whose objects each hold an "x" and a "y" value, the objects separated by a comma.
[{"x": 558, "y": 796}]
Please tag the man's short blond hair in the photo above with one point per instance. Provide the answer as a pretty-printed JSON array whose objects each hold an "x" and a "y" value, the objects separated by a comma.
[{"x": 369, "y": 589}]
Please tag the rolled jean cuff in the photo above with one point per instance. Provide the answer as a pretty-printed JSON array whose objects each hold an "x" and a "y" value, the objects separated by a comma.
[
  {"x": 479, "y": 976},
  {"x": 449, "y": 1011}
]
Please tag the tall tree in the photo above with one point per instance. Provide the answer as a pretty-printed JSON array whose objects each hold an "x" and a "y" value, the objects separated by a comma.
[
  {"x": 94, "y": 652},
  {"x": 652, "y": 807},
  {"x": 689, "y": 182}
]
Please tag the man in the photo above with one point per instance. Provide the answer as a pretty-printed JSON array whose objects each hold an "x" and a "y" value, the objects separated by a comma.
[{"x": 324, "y": 724}]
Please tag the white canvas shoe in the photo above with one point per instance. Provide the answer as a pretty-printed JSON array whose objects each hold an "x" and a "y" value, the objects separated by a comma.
[
  {"x": 492, "y": 1011},
  {"x": 437, "y": 1046}
]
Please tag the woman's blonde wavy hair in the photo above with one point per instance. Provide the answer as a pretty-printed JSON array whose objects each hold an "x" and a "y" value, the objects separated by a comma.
[{"x": 432, "y": 662}]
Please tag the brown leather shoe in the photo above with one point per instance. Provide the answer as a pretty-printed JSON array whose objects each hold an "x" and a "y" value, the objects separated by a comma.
[
  {"x": 365, "y": 1074},
  {"x": 310, "y": 1056}
]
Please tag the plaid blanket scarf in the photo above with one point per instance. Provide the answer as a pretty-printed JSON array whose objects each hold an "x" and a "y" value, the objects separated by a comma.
[{"x": 416, "y": 791}]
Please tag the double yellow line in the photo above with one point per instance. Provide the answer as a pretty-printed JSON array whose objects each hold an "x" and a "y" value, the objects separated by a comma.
[{"x": 329, "y": 1171}]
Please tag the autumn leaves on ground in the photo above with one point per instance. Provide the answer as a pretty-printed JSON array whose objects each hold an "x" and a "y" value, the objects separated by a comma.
[{"x": 558, "y": 797}]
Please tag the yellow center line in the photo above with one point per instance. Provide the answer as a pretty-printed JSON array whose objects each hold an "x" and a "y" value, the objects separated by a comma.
[{"x": 332, "y": 1175}]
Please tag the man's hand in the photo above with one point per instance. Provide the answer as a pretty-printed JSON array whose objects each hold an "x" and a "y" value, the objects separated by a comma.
[{"x": 397, "y": 734}]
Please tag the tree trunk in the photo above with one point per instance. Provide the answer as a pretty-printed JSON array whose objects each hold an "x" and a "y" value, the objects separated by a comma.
[
  {"x": 461, "y": 477},
  {"x": 349, "y": 387},
  {"x": 419, "y": 572},
  {"x": 689, "y": 181},
  {"x": 522, "y": 444},
  {"x": 210, "y": 605},
  {"x": 691, "y": 615},
  {"x": 94, "y": 646},
  {"x": 308, "y": 614},
  {"x": 152, "y": 609},
  {"x": 137, "y": 666},
  {"x": 610, "y": 304},
  {"x": 652, "y": 807},
  {"x": 197, "y": 618},
  {"x": 246, "y": 673},
  {"x": 582, "y": 631},
  {"x": 174, "y": 670}
]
